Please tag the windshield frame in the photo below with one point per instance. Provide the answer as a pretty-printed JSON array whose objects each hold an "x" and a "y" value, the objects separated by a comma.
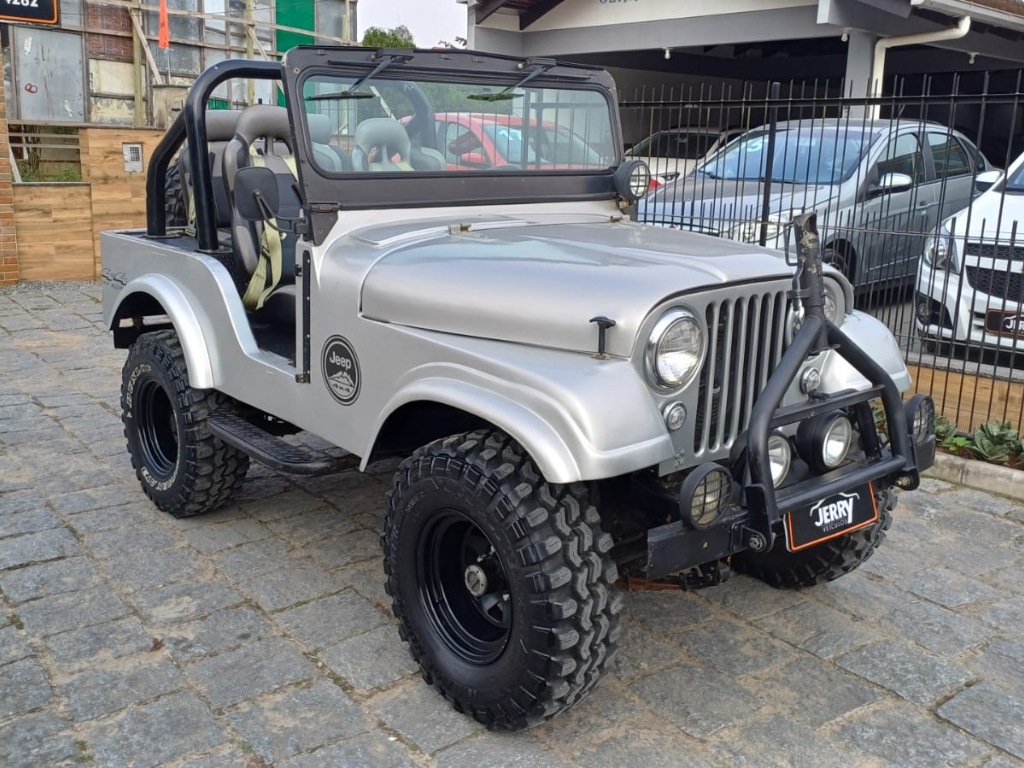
[{"x": 325, "y": 193}]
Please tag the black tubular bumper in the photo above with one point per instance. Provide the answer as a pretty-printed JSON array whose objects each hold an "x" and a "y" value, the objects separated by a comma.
[
  {"x": 896, "y": 464},
  {"x": 754, "y": 522}
]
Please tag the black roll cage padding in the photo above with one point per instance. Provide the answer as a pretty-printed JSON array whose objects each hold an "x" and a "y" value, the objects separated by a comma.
[
  {"x": 818, "y": 334},
  {"x": 190, "y": 125}
]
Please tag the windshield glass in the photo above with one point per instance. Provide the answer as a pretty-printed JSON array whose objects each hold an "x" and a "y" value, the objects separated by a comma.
[
  {"x": 1015, "y": 181},
  {"x": 801, "y": 156},
  {"x": 418, "y": 125},
  {"x": 675, "y": 145}
]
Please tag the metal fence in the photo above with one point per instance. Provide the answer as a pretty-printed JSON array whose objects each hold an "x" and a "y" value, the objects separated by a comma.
[{"x": 911, "y": 203}]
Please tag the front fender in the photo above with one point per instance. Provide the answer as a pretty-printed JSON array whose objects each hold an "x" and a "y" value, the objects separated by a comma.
[
  {"x": 178, "y": 307},
  {"x": 874, "y": 337},
  {"x": 558, "y": 432}
]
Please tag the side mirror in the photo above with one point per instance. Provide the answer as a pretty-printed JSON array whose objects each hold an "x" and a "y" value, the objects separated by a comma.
[
  {"x": 894, "y": 182},
  {"x": 473, "y": 159},
  {"x": 984, "y": 181},
  {"x": 253, "y": 186}
]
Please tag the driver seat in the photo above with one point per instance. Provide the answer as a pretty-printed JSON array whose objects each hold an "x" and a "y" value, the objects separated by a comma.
[{"x": 263, "y": 137}]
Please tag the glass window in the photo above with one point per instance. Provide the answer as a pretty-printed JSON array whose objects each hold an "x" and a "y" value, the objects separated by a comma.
[
  {"x": 951, "y": 159},
  {"x": 821, "y": 155},
  {"x": 386, "y": 122},
  {"x": 675, "y": 145},
  {"x": 903, "y": 155},
  {"x": 1015, "y": 179}
]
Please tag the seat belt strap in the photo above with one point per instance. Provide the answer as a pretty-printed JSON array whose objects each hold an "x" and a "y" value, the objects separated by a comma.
[{"x": 271, "y": 250}]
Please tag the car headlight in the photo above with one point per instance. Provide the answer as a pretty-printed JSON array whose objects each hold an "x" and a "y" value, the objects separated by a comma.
[
  {"x": 675, "y": 349},
  {"x": 940, "y": 251},
  {"x": 834, "y": 305},
  {"x": 750, "y": 231}
]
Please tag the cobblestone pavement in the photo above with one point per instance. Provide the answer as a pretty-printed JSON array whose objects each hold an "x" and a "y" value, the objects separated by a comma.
[{"x": 260, "y": 635}]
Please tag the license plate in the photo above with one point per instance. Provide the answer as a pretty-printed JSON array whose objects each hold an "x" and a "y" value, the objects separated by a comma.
[
  {"x": 1010, "y": 323},
  {"x": 836, "y": 515}
]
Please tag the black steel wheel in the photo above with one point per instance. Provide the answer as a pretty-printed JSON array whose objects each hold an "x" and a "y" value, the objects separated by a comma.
[
  {"x": 825, "y": 562},
  {"x": 464, "y": 588},
  {"x": 182, "y": 467},
  {"x": 501, "y": 582}
]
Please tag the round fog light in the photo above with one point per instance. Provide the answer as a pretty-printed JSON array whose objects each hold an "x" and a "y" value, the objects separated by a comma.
[
  {"x": 704, "y": 495},
  {"x": 780, "y": 457},
  {"x": 920, "y": 410},
  {"x": 836, "y": 442},
  {"x": 825, "y": 441}
]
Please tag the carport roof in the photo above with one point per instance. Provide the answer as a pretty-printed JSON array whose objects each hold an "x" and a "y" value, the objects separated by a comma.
[{"x": 529, "y": 10}]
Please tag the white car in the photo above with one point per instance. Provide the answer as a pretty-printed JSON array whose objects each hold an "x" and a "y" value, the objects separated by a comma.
[
  {"x": 970, "y": 286},
  {"x": 675, "y": 152}
]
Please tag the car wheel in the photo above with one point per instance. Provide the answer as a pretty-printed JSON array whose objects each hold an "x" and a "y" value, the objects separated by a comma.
[
  {"x": 182, "y": 467},
  {"x": 827, "y": 561},
  {"x": 501, "y": 582},
  {"x": 838, "y": 258}
]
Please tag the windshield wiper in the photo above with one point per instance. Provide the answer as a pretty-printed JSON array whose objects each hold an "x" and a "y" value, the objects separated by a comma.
[
  {"x": 539, "y": 66},
  {"x": 341, "y": 95},
  {"x": 388, "y": 57}
]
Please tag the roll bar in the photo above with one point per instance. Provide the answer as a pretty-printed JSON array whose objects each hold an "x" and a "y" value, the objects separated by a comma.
[{"x": 190, "y": 124}]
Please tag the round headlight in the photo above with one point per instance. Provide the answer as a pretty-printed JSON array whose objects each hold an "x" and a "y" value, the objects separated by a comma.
[
  {"x": 780, "y": 456},
  {"x": 835, "y": 442},
  {"x": 831, "y": 307},
  {"x": 675, "y": 350}
]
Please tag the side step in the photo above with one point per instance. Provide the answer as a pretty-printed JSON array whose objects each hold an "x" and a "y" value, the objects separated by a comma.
[{"x": 272, "y": 450}]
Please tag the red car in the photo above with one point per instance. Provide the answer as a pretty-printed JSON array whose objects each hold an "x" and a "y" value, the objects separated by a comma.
[{"x": 476, "y": 141}]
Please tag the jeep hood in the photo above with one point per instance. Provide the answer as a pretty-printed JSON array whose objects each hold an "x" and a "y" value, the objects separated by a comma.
[{"x": 541, "y": 283}]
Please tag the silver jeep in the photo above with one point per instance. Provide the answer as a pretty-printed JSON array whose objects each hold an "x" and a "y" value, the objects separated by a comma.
[{"x": 575, "y": 398}]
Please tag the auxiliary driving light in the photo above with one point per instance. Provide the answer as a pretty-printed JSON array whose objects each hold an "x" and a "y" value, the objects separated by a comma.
[
  {"x": 780, "y": 457},
  {"x": 920, "y": 410},
  {"x": 825, "y": 440},
  {"x": 704, "y": 495}
]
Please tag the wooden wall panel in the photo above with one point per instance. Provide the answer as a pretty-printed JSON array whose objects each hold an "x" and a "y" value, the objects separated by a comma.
[
  {"x": 968, "y": 400},
  {"x": 54, "y": 229},
  {"x": 118, "y": 197}
]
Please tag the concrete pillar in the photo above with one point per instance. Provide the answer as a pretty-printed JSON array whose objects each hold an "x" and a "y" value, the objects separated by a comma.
[
  {"x": 860, "y": 51},
  {"x": 8, "y": 239}
]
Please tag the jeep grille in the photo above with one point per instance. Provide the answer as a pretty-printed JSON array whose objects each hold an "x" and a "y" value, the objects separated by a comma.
[{"x": 746, "y": 339}]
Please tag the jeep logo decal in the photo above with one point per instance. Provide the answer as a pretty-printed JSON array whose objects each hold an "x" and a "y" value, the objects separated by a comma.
[{"x": 340, "y": 367}]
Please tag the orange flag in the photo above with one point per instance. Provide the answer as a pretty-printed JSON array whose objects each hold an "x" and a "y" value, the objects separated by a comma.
[{"x": 164, "y": 40}]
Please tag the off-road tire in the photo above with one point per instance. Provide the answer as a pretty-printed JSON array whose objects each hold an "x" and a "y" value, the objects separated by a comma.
[
  {"x": 547, "y": 538},
  {"x": 181, "y": 466},
  {"x": 825, "y": 562},
  {"x": 175, "y": 205}
]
